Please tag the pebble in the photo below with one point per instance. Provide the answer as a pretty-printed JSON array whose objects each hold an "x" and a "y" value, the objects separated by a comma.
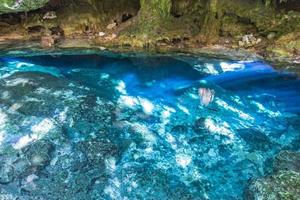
[
  {"x": 111, "y": 26},
  {"x": 249, "y": 41},
  {"x": 50, "y": 15},
  {"x": 111, "y": 37},
  {"x": 101, "y": 34}
]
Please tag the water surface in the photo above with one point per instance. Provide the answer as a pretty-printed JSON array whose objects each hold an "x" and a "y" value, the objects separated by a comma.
[{"x": 112, "y": 126}]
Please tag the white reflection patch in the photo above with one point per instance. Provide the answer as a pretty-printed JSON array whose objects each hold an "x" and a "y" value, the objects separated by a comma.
[
  {"x": 183, "y": 109},
  {"x": 220, "y": 128},
  {"x": 121, "y": 87},
  {"x": 3, "y": 118},
  {"x": 21, "y": 64},
  {"x": 183, "y": 160},
  {"x": 5, "y": 95},
  {"x": 17, "y": 81},
  {"x": 262, "y": 109},
  {"x": 43, "y": 127},
  {"x": 227, "y": 67},
  {"x": 207, "y": 68},
  {"x": 146, "y": 105},
  {"x": 24, "y": 141},
  {"x": 2, "y": 136},
  {"x": 144, "y": 131},
  {"x": 110, "y": 164},
  {"x": 241, "y": 114},
  {"x": 128, "y": 101}
]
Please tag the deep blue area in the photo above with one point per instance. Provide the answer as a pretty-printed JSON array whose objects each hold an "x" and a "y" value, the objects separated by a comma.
[{"x": 194, "y": 128}]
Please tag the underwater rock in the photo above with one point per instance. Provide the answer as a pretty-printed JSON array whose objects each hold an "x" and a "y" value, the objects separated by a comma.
[
  {"x": 179, "y": 129},
  {"x": 39, "y": 153},
  {"x": 146, "y": 182},
  {"x": 199, "y": 125},
  {"x": 287, "y": 160},
  {"x": 256, "y": 139},
  {"x": 6, "y": 173},
  {"x": 97, "y": 151},
  {"x": 284, "y": 185}
]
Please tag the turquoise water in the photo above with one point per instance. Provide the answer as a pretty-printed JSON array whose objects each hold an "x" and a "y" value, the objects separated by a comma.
[{"x": 112, "y": 126}]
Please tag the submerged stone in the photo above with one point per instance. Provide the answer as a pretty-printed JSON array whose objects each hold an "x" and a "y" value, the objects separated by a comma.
[
  {"x": 6, "y": 173},
  {"x": 287, "y": 160},
  {"x": 283, "y": 185},
  {"x": 39, "y": 153},
  {"x": 255, "y": 139}
]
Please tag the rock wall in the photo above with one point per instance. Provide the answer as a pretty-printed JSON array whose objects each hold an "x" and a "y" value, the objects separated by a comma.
[{"x": 270, "y": 27}]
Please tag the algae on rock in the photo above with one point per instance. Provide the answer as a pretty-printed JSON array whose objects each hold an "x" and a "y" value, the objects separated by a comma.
[{"x": 284, "y": 184}]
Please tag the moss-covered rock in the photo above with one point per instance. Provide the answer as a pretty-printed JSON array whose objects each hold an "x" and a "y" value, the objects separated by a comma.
[
  {"x": 156, "y": 23},
  {"x": 287, "y": 160},
  {"x": 286, "y": 46},
  {"x": 285, "y": 185},
  {"x": 84, "y": 16}
]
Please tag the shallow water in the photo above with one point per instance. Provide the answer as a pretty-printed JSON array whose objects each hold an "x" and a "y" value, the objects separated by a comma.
[{"x": 112, "y": 126}]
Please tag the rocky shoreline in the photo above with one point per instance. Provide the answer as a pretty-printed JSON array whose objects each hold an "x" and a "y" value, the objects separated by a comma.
[{"x": 269, "y": 29}]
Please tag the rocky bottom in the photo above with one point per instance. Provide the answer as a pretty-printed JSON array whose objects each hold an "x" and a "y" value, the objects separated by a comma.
[{"x": 147, "y": 127}]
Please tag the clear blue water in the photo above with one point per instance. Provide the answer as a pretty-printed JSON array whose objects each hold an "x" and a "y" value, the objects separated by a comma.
[{"x": 114, "y": 126}]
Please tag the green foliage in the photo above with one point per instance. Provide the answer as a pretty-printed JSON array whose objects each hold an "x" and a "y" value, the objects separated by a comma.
[
  {"x": 156, "y": 8},
  {"x": 11, "y": 6}
]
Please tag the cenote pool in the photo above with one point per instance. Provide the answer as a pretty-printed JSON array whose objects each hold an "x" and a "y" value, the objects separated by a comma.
[{"x": 134, "y": 126}]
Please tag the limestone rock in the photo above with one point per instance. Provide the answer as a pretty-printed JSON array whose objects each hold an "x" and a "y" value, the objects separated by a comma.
[
  {"x": 101, "y": 34},
  {"x": 287, "y": 46},
  {"x": 47, "y": 41},
  {"x": 111, "y": 37},
  {"x": 111, "y": 26},
  {"x": 248, "y": 41},
  {"x": 50, "y": 15}
]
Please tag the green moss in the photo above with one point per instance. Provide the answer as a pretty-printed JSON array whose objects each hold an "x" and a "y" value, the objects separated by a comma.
[
  {"x": 154, "y": 23},
  {"x": 153, "y": 15},
  {"x": 211, "y": 27},
  {"x": 286, "y": 45}
]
